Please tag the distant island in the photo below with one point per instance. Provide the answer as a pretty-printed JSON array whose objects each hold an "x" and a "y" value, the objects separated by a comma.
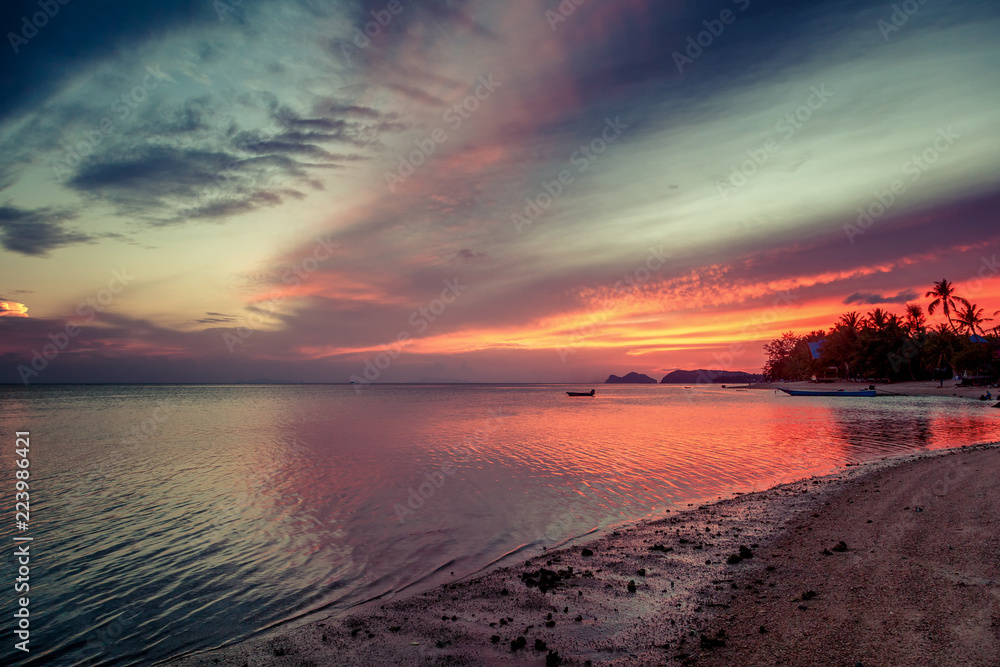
[
  {"x": 709, "y": 377},
  {"x": 631, "y": 378}
]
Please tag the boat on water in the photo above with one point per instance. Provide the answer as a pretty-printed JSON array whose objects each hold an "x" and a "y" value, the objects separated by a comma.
[
  {"x": 578, "y": 393},
  {"x": 839, "y": 392}
]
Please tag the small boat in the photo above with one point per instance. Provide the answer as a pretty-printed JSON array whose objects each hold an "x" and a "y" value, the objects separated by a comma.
[
  {"x": 577, "y": 393},
  {"x": 839, "y": 392}
]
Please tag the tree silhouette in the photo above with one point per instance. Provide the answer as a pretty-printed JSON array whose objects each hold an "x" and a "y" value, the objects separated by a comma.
[
  {"x": 916, "y": 322},
  {"x": 850, "y": 321},
  {"x": 877, "y": 319},
  {"x": 944, "y": 296},
  {"x": 970, "y": 318}
]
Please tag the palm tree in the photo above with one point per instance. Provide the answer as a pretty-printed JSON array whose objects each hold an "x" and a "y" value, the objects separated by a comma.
[
  {"x": 915, "y": 320},
  {"x": 971, "y": 319},
  {"x": 877, "y": 319},
  {"x": 944, "y": 296},
  {"x": 941, "y": 348},
  {"x": 850, "y": 321}
]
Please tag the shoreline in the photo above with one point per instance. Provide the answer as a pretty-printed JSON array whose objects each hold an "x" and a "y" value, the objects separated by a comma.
[
  {"x": 577, "y": 601},
  {"x": 918, "y": 388}
]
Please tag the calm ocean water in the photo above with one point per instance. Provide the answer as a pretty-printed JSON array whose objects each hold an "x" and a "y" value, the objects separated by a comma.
[{"x": 172, "y": 518}]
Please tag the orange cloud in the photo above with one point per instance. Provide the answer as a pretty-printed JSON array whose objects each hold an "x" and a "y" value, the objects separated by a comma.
[{"x": 13, "y": 309}]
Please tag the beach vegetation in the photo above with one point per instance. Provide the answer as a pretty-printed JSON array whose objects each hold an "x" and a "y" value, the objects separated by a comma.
[{"x": 883, "y": 346}]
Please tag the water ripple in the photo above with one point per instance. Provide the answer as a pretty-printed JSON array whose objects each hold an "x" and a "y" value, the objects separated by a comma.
[{"x": 250, "y": 507}]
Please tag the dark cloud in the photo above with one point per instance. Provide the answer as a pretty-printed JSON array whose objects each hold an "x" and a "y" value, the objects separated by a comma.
[
  {"x": 197, "y": 163},
  {"x": 871, "y": 298},
  {"x": 332, "y": 107},
  {"x": 225, "y": 208},
  {"x": 169, "y": 184},
  {"x": 289, "y": 146},
  {"x": 216, "y": 318},
  {"x": 36, "y": 232},
  {"x": 329, "y": 120},
  {"x": 152, "y": 171}
]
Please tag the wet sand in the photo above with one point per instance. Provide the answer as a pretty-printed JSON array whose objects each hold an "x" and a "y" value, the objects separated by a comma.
[
  {"x": 915, "y": 581},
  {"x": 918, "y": 584}
]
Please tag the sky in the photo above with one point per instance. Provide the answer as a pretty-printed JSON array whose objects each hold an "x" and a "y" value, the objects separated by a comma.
[{"x": 472, "y": 191}]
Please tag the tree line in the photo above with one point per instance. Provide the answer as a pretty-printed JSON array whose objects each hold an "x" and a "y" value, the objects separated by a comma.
[{"x": 896, "y": 347}]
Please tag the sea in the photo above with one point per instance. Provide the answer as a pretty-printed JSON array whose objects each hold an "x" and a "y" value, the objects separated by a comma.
[{"x": 169, "y": 519}]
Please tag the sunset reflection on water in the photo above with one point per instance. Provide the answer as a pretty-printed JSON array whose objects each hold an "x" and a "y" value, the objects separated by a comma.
[{"x": 252, "y": 505}]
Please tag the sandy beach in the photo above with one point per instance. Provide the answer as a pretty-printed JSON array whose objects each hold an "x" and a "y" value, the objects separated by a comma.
[
  {"x": 918, "y": 582},
  {"x": 888, "y": 563}
]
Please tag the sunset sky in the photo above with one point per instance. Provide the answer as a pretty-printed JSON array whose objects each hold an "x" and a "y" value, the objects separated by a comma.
[{"x": 517, "y": 191}]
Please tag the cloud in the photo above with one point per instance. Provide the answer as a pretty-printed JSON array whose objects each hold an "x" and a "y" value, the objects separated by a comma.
[
  {"x": 197, "y": 162},
  {"x": 36, "y": 232},
  {"x": 10, "y": 308},
  {"x": 871, "y": 298},
  {"x": 169, "y": 184},
  {"x": 216, "y": 318},
  {"x": 265, "y": 115}
]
